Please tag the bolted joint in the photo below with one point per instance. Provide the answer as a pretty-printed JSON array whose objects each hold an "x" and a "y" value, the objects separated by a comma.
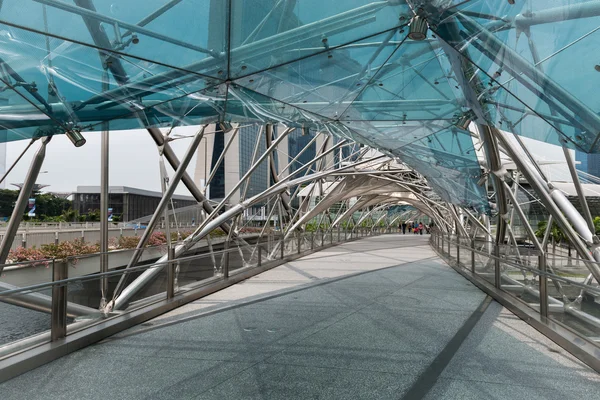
[{"x": 418, "y": 28}]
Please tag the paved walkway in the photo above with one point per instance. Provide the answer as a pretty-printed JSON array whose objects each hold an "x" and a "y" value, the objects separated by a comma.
[{"x": 378, "y": 318}]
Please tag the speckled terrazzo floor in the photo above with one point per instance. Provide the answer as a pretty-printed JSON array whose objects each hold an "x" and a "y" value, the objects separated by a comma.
[{"x": 378, "y": 318}]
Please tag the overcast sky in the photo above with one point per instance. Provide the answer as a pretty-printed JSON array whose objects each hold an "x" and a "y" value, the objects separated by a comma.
[{"x": 134, "y": 160}]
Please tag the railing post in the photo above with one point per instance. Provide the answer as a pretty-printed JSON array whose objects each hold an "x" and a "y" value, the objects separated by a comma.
[
  {"x": 56, "y": 238},
  {"x": 24, "y": 240},
  {"x": 473, "y": 255},
  {"x": 442, "y": 241},
  {"x": 312, "y": 240},
  {"x": 449, "y": 243},
  {"x": 226, "y": 260},
  {"x": 299, "y": 242},
  {"x": 58, "y": 327},
  {"x": 457, "y": 250},
  {"x": 282, "y": 244},
  {"x": 259, "y": 255},
  {"x": 171, "y": 273},
  {"x": 543, "y": 281},
  {"x": 497, "y": 279},
  {"x": 339, "y": 233}
]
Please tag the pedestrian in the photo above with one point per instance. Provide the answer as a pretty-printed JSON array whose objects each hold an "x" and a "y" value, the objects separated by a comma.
[
  {"x": 403, "y": 228},
  {"x": 420, "y": 228}
]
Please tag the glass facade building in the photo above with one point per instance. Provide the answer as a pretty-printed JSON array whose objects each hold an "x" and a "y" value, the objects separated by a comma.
[
  {"x": 127, "y": 203},
  {"x": 248, "y": 136},
  {"x": 588, "y": 163}
]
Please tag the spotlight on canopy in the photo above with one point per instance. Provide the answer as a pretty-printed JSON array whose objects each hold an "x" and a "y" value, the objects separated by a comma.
[{"x": 418, "y": 28}]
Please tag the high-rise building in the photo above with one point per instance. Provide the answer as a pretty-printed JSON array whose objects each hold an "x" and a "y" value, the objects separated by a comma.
[
  {"x": 238, "y": 160},
  {"x": 588, "y": 163},
  {"x": 2, "y": 163}
]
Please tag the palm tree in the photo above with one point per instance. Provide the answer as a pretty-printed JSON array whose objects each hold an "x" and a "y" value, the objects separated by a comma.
[{"x": 556, "y": 234}]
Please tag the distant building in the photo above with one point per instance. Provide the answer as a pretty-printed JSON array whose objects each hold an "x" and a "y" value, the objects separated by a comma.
[
  {"x": 2, "y": 163},
  {"x": 238, "y": 160},
  {"x": 588, "y": 163},
  {"x": 126, "y": 202}
]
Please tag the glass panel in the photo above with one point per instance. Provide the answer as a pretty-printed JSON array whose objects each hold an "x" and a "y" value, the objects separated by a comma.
[
  {"x": 194, "y": 269},
  {"x": 446, "y": 158},
  {"x": 189, "y": 34},
  {"x": 267, "y": 33},
  {"x": 19, "y": 322},
  {"x": 412, "y": 85},
  {"x": 484, "y": 264},
  {"x": 328, "y": 82},
  {"x": 524, "y": 54}
]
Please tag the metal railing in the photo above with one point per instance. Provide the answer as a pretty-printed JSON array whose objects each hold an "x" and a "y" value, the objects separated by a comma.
[
  {"x": 73, "y": 302},
  {"x": 558, "y": 289}
]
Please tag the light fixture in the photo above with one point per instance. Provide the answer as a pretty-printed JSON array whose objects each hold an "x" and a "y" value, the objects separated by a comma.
[
  {"x": 75, "y": 137},
  {"x": 225, "y": 127},
  {"x": 418, "y": 28},
  {"x": 305, "y": 131},
  {"x": 135, "y": 39},
  {"x": 465, "y": 119}
]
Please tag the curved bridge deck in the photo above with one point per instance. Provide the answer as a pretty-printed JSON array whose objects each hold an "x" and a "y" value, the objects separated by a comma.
[{"x": 377, "y": 318}]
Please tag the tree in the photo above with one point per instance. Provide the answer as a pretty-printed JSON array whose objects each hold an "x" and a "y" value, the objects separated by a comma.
[
  {"x": 555, "y": 232},
  {"x": 93, "y": 215},
  {"x": 7, "y": 201},
  {"x": 597, "y": 225},
  {"x": 70, "y": 215},
  {"x": 50, "y": 205}
]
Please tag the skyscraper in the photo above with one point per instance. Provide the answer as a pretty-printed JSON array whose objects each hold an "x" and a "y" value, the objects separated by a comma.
[
  {"x": 2, "y": 163},
  {"x": 588, "y": 163}
]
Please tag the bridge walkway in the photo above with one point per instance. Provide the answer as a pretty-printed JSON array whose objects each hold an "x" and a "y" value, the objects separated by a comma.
[{"x": 378, "y": 318}]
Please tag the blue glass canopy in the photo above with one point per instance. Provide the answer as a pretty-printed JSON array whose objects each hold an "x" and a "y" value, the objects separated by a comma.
[{"x": 348, "y": 67}]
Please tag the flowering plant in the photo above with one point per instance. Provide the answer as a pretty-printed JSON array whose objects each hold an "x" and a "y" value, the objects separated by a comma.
[
  {"x": 21, "y": 254},
  {"x": 71, "y": 249}
]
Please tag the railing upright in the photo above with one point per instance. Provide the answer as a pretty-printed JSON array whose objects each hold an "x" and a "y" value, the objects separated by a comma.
[
  {"x": 473, "y": 255},
  {"x": 543, "y": 285},
  {"x": 58, "y": 327}
]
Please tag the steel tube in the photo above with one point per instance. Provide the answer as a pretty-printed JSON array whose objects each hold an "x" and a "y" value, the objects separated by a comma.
[
  {"x": 21, "y": 203},
  {"x": 171, "y": 273},
  {"x": 58, "y": 326},
  {"x": 104, "y": 196},
  {"x": 495, "y": 166},
  {"x": 202, "y": 231},
  {"x": 551, "y": 206},
  {"x": 161, "y": 207},
  {"x": 567, "y": 12},
  {"x": 91, "y": 14},
  {"x": 252, "y": 168},
  {"x": 221, "y": 156},
  {"x": 579, "y": 224},
  {"x": 171, "y": 157},
  {"x": 543, "y": 284},
  {"x": 523, "y": 218},
  {"x": 497, "y": 272},
  {"x": 582, "y": 200},
  {"x": 497, "y": 51}
]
